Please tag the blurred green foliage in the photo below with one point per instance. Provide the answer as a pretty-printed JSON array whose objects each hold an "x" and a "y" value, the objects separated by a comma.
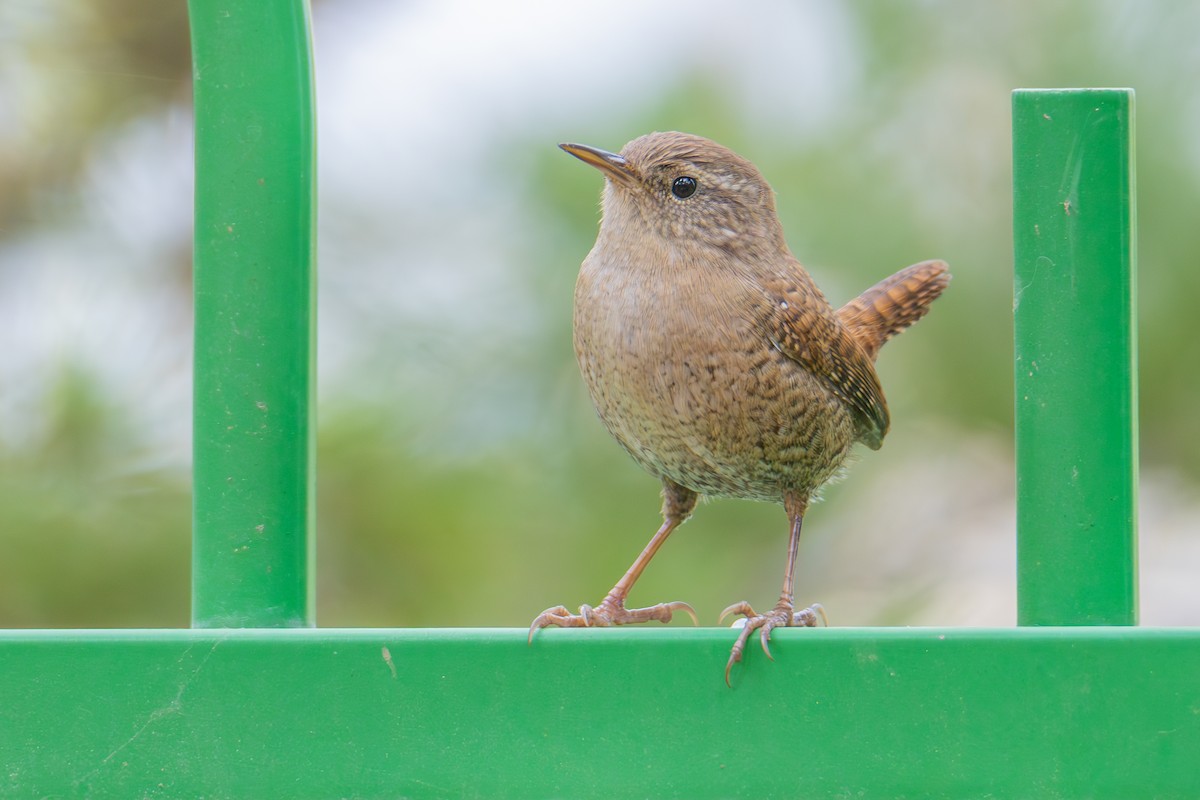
[
  {"x": 509, "y": 496},
  {"x": 87, "y": 540}
]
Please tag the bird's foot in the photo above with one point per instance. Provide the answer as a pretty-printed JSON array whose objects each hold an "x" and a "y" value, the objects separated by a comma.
[
  {"x": 611, "y": 611},
  {"x": 783, "y": 615}
]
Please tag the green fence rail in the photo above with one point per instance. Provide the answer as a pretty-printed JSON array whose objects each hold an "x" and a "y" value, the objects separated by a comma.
[
  {"x": 1076, "y": 357},
  {"x": 1091, "y": 708},
  {"x": 253, "y": 433}
]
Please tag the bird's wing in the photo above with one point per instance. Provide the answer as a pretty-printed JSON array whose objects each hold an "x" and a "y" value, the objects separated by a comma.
[{"x": 805, "y": 328}]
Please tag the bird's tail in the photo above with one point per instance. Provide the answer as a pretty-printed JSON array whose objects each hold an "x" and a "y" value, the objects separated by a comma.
[{"x": 893, "y": 304}]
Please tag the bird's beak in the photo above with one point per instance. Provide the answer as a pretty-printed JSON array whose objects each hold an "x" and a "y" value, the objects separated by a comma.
[{"x": 611, "y": 164}]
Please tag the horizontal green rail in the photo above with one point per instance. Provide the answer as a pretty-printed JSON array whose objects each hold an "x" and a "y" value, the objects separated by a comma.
[{"x": 1037, "y": 712}]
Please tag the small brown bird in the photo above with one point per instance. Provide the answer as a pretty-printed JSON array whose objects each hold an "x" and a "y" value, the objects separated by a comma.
[{"x": 713, "y": 358}]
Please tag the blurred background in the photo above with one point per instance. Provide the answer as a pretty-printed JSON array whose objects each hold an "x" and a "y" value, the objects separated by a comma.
[{"x": 463, "y": 479}]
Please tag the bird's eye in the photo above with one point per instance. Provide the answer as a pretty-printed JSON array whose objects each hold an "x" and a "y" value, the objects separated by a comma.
[{"x": 683, "y": 187}]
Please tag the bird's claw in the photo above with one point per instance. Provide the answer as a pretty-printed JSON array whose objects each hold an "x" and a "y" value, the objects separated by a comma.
[
  {"x": 609, "y": 612},
  {"x": 783, "y": 615}
]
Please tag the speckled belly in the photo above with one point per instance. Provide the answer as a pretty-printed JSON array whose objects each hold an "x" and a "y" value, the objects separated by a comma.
[{"x": 742, "y": 420}]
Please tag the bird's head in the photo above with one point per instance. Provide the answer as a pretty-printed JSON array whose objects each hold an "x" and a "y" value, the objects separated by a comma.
[{"x": 686, "y": 190}]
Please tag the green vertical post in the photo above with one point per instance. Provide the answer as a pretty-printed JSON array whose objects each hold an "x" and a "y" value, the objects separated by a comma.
[
  {"x": 252, "y": 549},
  {"x": 1076, "y": 356}
]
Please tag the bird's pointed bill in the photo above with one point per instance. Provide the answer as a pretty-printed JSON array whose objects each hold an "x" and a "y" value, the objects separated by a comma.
[{"x": 611, "y": 164}]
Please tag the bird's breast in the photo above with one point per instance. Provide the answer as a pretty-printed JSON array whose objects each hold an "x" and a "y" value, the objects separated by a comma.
[{"x": 684, "y": 377}]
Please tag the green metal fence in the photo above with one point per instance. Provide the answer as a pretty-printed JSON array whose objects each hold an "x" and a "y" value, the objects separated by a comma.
[
  {"x": 1090, "y": 708},
  {"x": 253, "y": 432},
  {"x": 1076, "y": 357}
]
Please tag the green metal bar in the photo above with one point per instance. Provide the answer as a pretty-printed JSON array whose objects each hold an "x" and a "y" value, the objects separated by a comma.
[
  {"x": 254, "y": 274},
  {"x": 1048, "y": 712},
  {"x": 1076, "y": 363}
]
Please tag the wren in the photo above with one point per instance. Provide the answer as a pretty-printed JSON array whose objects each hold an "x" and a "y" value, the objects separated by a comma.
[{"x": 712, "y": 357}]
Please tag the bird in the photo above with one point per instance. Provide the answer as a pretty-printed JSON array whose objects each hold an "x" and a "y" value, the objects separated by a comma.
[{"x": 715, "y": 361}]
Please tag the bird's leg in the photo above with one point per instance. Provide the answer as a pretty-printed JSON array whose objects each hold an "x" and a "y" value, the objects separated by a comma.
[
  {"x": 678, "y": 503},
  {"x": 784, "y": 613}
]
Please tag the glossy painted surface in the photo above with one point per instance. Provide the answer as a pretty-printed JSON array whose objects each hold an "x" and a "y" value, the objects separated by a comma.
[
  {"x": 254, "y": 299},
  {"x": 1076, "y": 356},
  {"x": 1046, "y": 712}
]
